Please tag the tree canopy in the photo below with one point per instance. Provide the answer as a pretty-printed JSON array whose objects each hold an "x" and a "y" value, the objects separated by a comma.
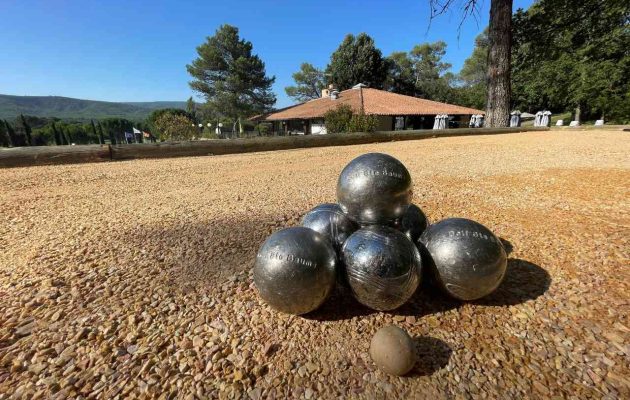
[
  {"x": 230, "y": 77},
  {"x": 400, "y": 74},
  {"x": 309, "y": 82},
  {"x": 472, "y": 79},
  {"x": 573, "y": 55},
  {"x": 357, "y": 60},
  {"x": 421, "y": 72}
]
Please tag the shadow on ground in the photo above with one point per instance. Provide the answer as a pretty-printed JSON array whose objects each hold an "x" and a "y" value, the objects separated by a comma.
[
  {"x": 341, "y": 305},
  {"x": 191, "y": 255},
  {"x": 204, "y": 252},
  {"x": 433, "y": 355},
  {"x": 523, "y": 281},
  {"x": 507, "y": 245}
]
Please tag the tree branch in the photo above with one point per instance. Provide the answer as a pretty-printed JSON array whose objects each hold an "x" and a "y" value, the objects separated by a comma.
[{"x": 469, "y": 8}]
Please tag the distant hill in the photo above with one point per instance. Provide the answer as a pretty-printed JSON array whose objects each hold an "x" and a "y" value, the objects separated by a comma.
[
  {"x": 154, "y": 105},
  {"x": 77, "y": 109}
]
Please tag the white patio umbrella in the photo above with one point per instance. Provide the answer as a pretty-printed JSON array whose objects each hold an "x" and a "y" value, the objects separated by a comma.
[
  {"x": 441, "y": 121},
  {"x": 436, "y": 122},
  {"x": 538, "y": 118},
  {"x": 479, "y": 121},
  {"x": 545, "y": 120},
  {"x": 475, "y": 120},
  {"x": 515, "y": 119}
]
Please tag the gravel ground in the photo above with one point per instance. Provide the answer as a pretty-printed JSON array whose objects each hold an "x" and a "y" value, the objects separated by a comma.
[{"x": 132, "y": 279}]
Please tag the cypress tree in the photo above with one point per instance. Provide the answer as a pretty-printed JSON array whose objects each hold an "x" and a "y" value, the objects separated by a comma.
[
  {"x": 27, "y": 130},
  {"x": 56, "y": 134},
  {"x": 4, "y": 137},
  {"x": 65, "y": 136},
  {"x": 11, "y": 132},
  {"x": 94, "y": 131},
  {"x": 112, "y": 139},
  {"x": 101, "y": 138},
  {"x": 62, "y": 137}
]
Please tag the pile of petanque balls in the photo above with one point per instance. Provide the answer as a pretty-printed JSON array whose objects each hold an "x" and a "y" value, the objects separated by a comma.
[{"x": 377, "y": 243}]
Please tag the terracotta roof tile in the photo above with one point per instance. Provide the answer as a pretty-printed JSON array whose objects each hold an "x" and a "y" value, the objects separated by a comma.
[{"x": 377, "y": 102}]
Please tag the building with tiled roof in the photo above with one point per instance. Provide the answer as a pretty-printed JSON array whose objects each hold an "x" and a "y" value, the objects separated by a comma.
[{"x": 394, "y": 111}]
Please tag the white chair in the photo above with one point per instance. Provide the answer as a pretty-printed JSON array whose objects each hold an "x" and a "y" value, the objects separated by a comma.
[
  {"x": 574, "y": 123},
  {"x": 559, "y": 122},
  {"x": 599, "y": 122}
]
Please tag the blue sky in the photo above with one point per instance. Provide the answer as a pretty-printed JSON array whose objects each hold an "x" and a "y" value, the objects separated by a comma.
[{"x": 118, "y": 50}]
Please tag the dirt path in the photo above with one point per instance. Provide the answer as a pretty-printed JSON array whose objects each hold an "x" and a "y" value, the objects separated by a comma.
[{"x": 132, "y": 278}]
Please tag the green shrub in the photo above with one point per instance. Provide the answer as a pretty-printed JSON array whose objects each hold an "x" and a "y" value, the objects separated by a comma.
[
  {"x": 337, "y": 120},
  {"x": 263, "y": 129},
  {"x": 362, "y": 123},
  {"x": 175, "y": 127},
  {"x": 343, "y": 119}
]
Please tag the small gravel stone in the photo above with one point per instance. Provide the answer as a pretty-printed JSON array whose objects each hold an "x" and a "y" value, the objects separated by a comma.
[{"x": 25, "y": 330}]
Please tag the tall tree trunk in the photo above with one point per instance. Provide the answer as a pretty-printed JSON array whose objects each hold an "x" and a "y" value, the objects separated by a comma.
[{"x": 499, "y": 90}]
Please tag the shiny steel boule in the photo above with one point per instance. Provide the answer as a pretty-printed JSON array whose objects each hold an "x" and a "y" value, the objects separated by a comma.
[
  {"x": 383, "y": 267},
  {"x": 330, "y": 221},
  {"x": 465, "y": 257},
  {"x": 374, "y": 188},
  {"x": 413, "y": 222},
  {"x": 295, "y": 270}
]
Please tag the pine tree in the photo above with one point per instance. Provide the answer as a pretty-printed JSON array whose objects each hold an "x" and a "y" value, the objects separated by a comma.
[
  {"x": 231, "y": 78},
  {"x": 309, "y": 82}
]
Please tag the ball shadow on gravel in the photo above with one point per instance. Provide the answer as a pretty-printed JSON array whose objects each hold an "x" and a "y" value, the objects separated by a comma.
[
  {"x": 428, "y": 299},
  {"x": 341, "y": 305},
  {"x": 507, "y": 245},
  {"x": 433, "y": 355},
  {"x": 523, "y": 281},
  {"x": 200, "y": 254}
]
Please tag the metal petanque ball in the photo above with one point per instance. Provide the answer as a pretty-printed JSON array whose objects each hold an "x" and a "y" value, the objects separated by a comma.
[
  {"x": 374, "y": 188},
  {"x": 330, "y": 221},
  {"x": 295, "y": 270},
  {"x": 413, "y": 223},
  {"x": 465, "y": 257},
  {"x": 383, "y": 267}
]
